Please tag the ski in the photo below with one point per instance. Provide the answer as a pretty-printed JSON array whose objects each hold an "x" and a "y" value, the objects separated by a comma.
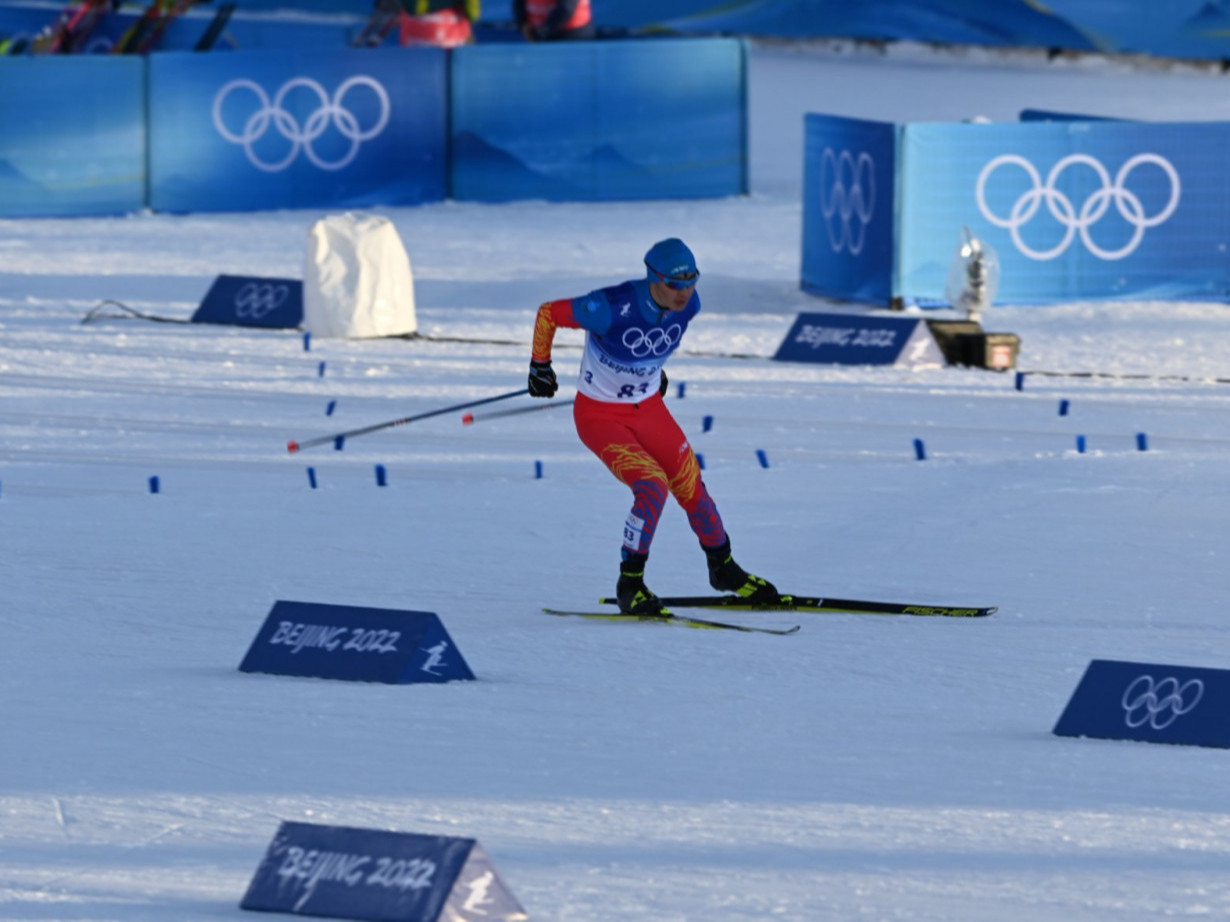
[
  {"x": 70, "y": 32},
  {"x": 669, "y": 618},
  {"x": 385, "y": 17},
  {"x": 213, "y": 31},
  {"x": 817, "y": 604},
  {"x": 144, "y": 34}
]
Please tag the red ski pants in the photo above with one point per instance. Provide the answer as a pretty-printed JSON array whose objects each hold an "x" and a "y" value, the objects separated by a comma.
[{"x": 647, "y": 451}]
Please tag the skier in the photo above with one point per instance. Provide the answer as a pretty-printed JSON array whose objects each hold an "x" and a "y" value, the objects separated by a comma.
[{"x": 632, "y": 329}]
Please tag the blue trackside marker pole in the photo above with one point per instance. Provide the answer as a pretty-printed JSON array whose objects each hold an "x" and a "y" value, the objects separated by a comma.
[
  {"x": 312, "y": 477},
  {"x": 700, "y": 460},
  {"x": 683, "y": 387},
  {"x": 320, "y": 370},
  {"x": 307, "y": 342},
  {"x": 1142, "y": 442},
  {"x": 538, "y": 470},
  {"x": 1080, "y": 444},
  {"x": 1063, "y": 407},
  {"x": 1020, "y": 380},
  {"x": 330, "y": 408},
  {"x": 706, "y": 424},
  {"x": 154, "y": 484},
  {"x": 382, "y": 479},
  {"x": 920, "y": 450},
  {"x": 762, "y": 457},
  {"x": 339, "y": 442}
]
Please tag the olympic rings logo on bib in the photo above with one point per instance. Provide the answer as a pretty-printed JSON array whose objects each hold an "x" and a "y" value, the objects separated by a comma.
[{"x": 656, "y": 341}]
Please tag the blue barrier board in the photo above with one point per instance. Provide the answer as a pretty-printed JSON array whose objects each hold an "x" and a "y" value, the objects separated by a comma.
[
  {"x": 849, "y": 183},
  {"x": 1150, "y": 703},
  {"x": 74, "y": 136},
  {"x": 1093, "y": 209},
  {"x": 359, "y": 644},
  {"x": 846, "y": 339},
  {"x": 245, "y": 131},
  {"x": 349, "y": 873},
  {"x": 252, "y": 302},
  {"x": 509, "y": 141}
]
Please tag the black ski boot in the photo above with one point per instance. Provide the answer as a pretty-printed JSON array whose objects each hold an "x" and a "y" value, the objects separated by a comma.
[
  {"x": 635, "y": 598},
  {"x": 727, "y": 576}
]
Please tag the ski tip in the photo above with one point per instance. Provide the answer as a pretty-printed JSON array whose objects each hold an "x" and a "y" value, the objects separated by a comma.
[
  {"x": 292, "y": 446},
  {"x": 467, "y": 419}
]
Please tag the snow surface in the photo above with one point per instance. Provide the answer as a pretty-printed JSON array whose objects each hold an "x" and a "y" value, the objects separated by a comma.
[{"x": 863, "y": 768}]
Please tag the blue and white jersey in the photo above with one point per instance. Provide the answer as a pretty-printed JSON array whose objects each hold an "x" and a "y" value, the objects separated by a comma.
[{"x": 630, "y": 339}]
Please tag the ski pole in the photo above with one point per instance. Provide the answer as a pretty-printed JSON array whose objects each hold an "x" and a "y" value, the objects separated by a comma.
[
  {"x": 292, "y": 446},
  {"x": 554, "y": 404}
]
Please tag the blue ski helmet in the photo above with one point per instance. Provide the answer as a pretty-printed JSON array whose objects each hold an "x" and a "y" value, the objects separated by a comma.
[{"x": 671, "y": 261}]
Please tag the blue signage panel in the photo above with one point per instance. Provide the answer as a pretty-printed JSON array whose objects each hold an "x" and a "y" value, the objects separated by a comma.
[
  {"x": 948, "y": 21},
  {"x": 244, "y": 131},
  {"x": 1189, "y": 29},
  {"x": 1075, "y": 210},
  {"x": 350, "y": 873},
  {"x": 74, "y": 135},
  {"x": 848, "y": 222},
  {"x": 1047, "y": 115},
  {"x": 583, "y": 121},
  {"x": 360, "y": 644},
  {"x": 252, "y": 302},
  {"x": 845, "y": 339},
  {"x": 1150, "y": 703}
]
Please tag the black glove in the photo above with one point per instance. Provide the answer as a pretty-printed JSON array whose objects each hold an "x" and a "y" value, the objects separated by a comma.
[
  {"x": 542, "y": 380},
  {"x": 665, "y": 384}
]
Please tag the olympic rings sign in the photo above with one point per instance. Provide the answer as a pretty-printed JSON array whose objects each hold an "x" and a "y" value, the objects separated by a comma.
[
  {"x": 1091, "y": 210},
  {"x": 847, "y": 193},
  {"x": 268, "y": 114},
  {"x": 656, "y": 341},
  {"x": 254, "y": 300},
  {"x": 1159, "y": 704}
]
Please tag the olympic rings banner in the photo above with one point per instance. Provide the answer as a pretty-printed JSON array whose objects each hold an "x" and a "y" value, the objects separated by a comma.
[
  {"x": 1075, "y": 210},
  {"x": 1150, "y": 703},
  {"x": 247, "y": 131},
  {"x": 848, "y": 191},
  {"x": 617, "y": 98},
  {"x": 48, "y": 106}
]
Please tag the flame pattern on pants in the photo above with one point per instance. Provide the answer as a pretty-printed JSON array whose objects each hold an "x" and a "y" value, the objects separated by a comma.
[{"x": 645, "y": 449}]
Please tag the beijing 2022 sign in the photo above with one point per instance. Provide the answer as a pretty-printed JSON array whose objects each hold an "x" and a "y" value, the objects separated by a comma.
[
  {"x": 359, "y": 644},
  {"x": 349, "y": 873}
]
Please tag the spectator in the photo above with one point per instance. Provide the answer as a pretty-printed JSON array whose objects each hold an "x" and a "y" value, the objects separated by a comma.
[
  {"x": 443, "y": 23},
  {"x": 553, "y": 20}
]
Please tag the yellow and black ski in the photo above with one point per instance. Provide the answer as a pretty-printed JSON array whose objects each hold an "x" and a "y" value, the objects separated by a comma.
[
  {"x": 817, "y": 604},
  {"x": 670, "y": 618}
]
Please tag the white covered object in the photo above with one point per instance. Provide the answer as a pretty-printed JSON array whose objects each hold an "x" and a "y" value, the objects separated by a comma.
[{"x": 356, "y": 279}]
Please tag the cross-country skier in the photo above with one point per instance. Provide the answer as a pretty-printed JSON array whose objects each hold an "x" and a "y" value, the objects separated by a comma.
[{"x": 620, "y": 415}]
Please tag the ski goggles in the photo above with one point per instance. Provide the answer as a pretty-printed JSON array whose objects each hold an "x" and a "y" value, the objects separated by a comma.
[{"x": 678, "y": 282}]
